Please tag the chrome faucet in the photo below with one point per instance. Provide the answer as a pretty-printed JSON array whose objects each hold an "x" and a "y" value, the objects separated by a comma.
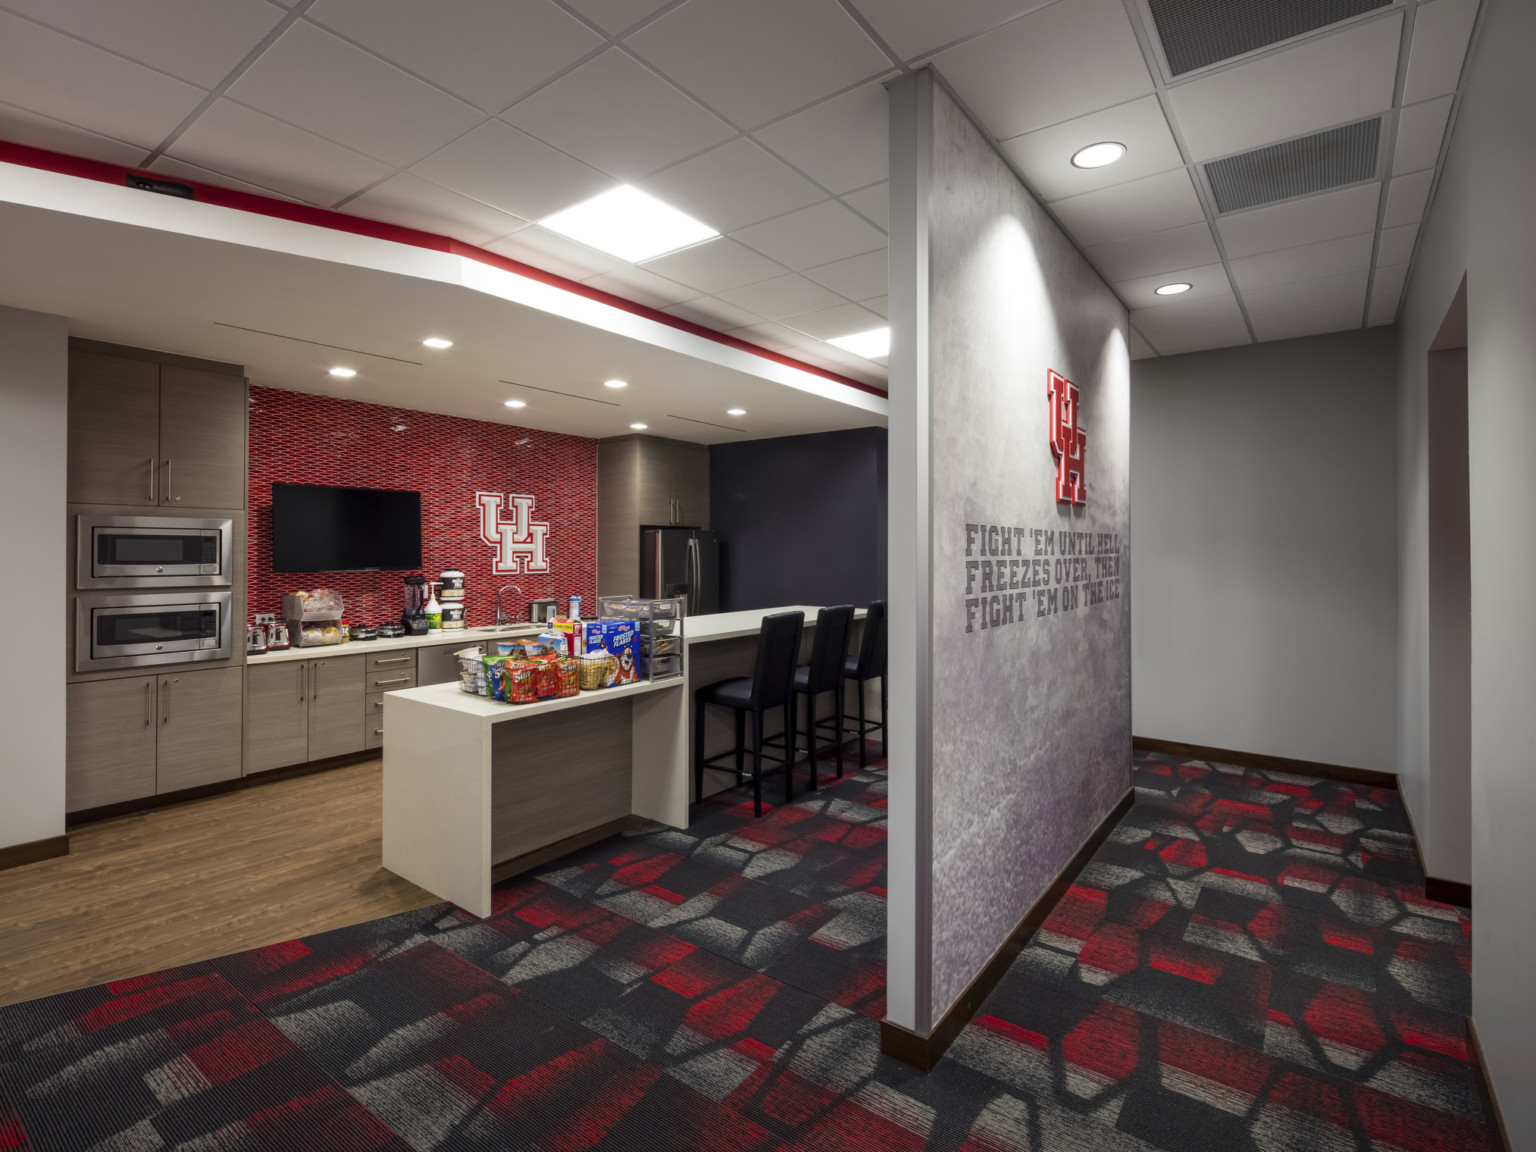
[{"x": 499, "y": 591}]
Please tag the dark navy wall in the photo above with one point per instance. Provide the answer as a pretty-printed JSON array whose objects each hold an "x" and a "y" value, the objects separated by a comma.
[{"x": 801, "y": 519}]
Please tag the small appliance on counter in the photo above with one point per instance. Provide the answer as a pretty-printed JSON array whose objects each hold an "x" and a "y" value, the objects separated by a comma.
[
  {"x": 543, "y": 611},
  {"x": 255, "y": 639},
  {"x": 414, "y": 617},
  {"x": 365, "y": 632},
  {"x": 277, "y": 632},
  {"x": 391, "y": 631}
]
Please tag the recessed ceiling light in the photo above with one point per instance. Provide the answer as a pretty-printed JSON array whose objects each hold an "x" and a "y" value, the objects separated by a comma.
[
  {"x": 1174, "y": 289},
  {"x": 517, "y": 403},
  {"x": 1098, "y": 155},
  {"x": 639, "y": 427},
  {"x": 344, "y": 373},
  {"x": 615, "y": 383},
  {"x": 627, "y": 223},
  {"x": 437, "y": 342},
  {"x": 875, "y": 342},
  {"x": 735, "y": 411}
]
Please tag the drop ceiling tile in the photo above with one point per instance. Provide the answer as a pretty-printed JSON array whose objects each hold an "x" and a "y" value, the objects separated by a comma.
[
  {"x": 554, "y": 253},
  {"x": 1309, "y": 220},
  {"x": 1208, "y": 281},
  {"x": 488, "y": 52},
  {"x": 413, "y": 202},
  {"x": 814, "y": 235},
  {"x": 753, "y": 62},
  {"x": 840, "y": 143},
  {"x": 198, "y": 41},
  {"x": 1306, "y": 262},
  {"x": 1344, "y": 290},
  {"x": 1407, "y": 197},
  {"x": 1202, "y": 337},
  {"x": 57, "y": 76},
  {"x": 510, "y": 170},
  {"x": 1420, "y": 129},
  {"x": 1064, "y": 61},
  {"x": 830, "y": 323},
  {"x": 713, "y": 313},
  {"x": 642, "y": 287},
  {"x": 1396, "y": 245},
  {"x": 1187, "y": 247},
  {"x": 1311, "y": 321},
  {"x": 1140, "y": 349},
  {"x": 732, "y": 186},
  {"x": 1390, "y": 280},
  {"x": 232, "y": 139},
  {"x": 858, "y": 277},
  {"x": 1045, "y": 157},
  {"x": 1441, "y": 32},
  {"x": 914, "y": 30},
  {"x": 1154, "y": 322},
  {"x": 618, "y": 116},
  {"x": 615, "y": 16},
  {"x": 879, "y": 305},
  {"x": 717, "y": 265},
  {"x": 19, "y": 126},
  {"x": 324, "y": 85},
  {"x": 181, "y": 170},
  {"x": 1151, "y": 204},
  {"x": 872, "y": 203},
  {"x": 1328, "y": 80},
  {"x": 783, "y": 296},
  {"x": 1383, "y": 310}
]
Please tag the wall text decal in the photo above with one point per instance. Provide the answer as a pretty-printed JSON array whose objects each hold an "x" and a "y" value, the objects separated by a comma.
[
  {"x": 1067, "y": 440},
  {"x": 521, "y": 542},
  {"x": 1022, "y": 574}
]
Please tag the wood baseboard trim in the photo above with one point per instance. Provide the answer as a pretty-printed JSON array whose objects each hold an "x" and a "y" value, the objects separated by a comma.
[
  {"x": 1365, "y": 777},
  {"x": 1485, "y": 1089},
  {"x": 519, "y": 864},
  {"x": 17, "y": 855},
  {"x": 923, "y": 1052},
  {"x": 73, "y": 820},
  {"x": 1448, "y": 891}
]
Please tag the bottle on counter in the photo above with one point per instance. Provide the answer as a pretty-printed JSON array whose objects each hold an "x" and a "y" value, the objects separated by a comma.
[
  {"x": 575, "y": 610},
  {"x": 434, "y": 610}
]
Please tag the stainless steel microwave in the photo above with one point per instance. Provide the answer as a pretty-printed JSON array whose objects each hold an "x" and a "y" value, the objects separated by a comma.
[
  {"x": 153, "y": 552},
  {"x": 126, "y": 630}
]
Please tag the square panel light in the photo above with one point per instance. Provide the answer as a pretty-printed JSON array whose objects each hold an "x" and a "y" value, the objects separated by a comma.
[
  {"x": 626, "y": 223},
  {"x": 875, "y": 342}
]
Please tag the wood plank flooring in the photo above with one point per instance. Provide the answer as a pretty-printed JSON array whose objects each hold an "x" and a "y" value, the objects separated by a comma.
[{"x": 198, "y": 880}]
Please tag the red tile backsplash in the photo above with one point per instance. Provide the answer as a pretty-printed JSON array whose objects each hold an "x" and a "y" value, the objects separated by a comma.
[{"x": 302, "y": 439}]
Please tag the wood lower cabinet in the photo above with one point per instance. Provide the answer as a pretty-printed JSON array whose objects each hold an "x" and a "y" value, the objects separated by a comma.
[
  {"x": 276, "y": 715},
  {"x": 109, "y": 749},
  {"x": 199, "y": 728},
  {"x": 337, "y": 695}
]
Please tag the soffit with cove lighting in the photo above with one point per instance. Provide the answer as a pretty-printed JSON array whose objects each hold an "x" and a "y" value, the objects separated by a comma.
[{"x": 475, "y": 118}]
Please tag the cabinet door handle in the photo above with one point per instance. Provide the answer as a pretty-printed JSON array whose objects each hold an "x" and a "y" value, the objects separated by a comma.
[
  {"x": 314, "y": 681},
  {"x": 378, "y": 731},
  {"x": 165, "y": 702},
  {"x": 172, "y": 499},
  {"x": 303, "y": 691},
  {"x": 149, "y": 707},
  {"x": 152, "y": 471},
  {"x": 380, "y": 661},
  {"x": 397, "y": 680}
]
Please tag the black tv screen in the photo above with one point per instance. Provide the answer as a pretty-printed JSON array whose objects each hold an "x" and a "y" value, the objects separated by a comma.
[{"x": 322, "y": 529}]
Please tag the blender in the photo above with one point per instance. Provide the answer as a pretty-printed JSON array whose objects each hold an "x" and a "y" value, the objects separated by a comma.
[{"x": 414, "y": 616}]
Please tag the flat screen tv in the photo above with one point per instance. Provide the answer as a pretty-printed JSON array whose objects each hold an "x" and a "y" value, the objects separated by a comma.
[{"x": 316, "y": 528}]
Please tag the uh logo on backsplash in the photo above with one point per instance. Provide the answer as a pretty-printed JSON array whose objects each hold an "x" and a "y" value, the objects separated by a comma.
[{"x": 507, "y": 525}]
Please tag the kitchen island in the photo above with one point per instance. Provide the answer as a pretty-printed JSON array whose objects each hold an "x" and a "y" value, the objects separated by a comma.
[{"x": 471, "y": 784}]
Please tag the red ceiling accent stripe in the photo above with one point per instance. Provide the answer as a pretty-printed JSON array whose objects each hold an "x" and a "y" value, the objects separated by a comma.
[{"x": 22, "y": 155}]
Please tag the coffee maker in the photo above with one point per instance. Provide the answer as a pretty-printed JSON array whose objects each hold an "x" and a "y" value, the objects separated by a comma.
[{"x": 414, "y": 617}]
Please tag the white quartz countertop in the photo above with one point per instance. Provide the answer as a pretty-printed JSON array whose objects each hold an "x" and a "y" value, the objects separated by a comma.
[
  {"x": 450, "y": 697},
  {"x": 455, "y": 639},
  {"x": 731, "y": 625}
]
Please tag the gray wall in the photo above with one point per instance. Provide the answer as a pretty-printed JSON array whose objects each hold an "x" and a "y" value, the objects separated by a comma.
[
  {"x": 1481, "y": 226},
  {"x": 34, "y": 394},
  {"x": 1015, "y": 735},
  {"x": 1265, "y": 594}
]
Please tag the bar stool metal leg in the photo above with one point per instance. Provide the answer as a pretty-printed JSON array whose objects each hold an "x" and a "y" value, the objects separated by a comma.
[
  {"x": 789, "y": 750},
  {"x": 757, "y": 762},
  {"x": 810, "y": 737},
  {"x": 863, "y": 749},
  {"x": 741, "y": 745}
]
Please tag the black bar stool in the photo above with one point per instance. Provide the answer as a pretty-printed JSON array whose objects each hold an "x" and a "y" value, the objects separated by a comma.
[
  {"x": 769, "y": 686},
  {"x": 868, "y": 664},
  {"x": 824, "y": 673}
]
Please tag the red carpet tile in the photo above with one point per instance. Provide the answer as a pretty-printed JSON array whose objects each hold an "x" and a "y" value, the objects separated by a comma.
[{"x": 1248, "y": 964}]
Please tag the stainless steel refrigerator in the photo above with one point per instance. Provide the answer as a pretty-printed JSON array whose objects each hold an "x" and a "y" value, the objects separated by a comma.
[{"x": 681, "y": 562}]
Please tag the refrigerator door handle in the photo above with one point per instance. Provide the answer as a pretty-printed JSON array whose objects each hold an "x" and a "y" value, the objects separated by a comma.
[
  {"x": 658, "y": 568},
  {"x": 695, "y": 575}
]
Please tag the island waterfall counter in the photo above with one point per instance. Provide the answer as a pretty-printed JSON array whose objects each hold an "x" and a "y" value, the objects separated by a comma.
[{"x": 470, "y": 783}]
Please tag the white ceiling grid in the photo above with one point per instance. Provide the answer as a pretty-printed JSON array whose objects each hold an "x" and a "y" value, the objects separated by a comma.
[{"x": 476, "y": 118}]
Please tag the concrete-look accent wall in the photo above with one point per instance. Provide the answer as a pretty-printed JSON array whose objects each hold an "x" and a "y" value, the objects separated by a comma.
[
  {"x": 1481, "y": 227},
  {"x": 1265, "y": 595},
  {"x": 34, "y": 403},
  {"x": 1013, "y": 697}
]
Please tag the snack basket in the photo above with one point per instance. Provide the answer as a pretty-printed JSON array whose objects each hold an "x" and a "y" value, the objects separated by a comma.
[{"x": 313, "y": 618}]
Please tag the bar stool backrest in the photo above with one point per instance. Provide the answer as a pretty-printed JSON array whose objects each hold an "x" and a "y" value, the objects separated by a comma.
[
  {"x": 829, "y": 651},
  {"x": 778, "y": 651},
  {"x": 872, "y": 649}
]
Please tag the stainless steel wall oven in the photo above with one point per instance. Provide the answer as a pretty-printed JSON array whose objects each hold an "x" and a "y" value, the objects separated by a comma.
[
  {"x": 153, "y": 552},
  {"x": 126, "y": 630}
]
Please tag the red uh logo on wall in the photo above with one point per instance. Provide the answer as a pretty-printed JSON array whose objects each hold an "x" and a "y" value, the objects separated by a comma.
[
  {"x": 1067, "y": 441},
  {"x": 521, "y": 542}
]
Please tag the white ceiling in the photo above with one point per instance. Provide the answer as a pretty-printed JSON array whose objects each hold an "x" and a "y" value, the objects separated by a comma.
[{"x": 475, "y": 118}]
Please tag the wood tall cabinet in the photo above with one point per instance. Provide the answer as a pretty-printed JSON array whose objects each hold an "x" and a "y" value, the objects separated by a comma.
[{"x": 644, "y": 481}]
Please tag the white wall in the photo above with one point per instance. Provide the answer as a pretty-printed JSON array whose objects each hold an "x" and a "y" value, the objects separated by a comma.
[
  {"x": 34, "y": 390},
  {"x": 1264, "y": 594}
]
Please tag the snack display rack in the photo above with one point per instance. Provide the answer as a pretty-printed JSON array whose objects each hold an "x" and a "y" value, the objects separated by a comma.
[{"x": 660, "y": 624}]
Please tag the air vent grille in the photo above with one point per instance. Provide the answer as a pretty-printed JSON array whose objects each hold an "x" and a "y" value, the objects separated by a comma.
[
  {"x": 1195, "y": 33},
  {"x": 1328, "y": 159}
]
